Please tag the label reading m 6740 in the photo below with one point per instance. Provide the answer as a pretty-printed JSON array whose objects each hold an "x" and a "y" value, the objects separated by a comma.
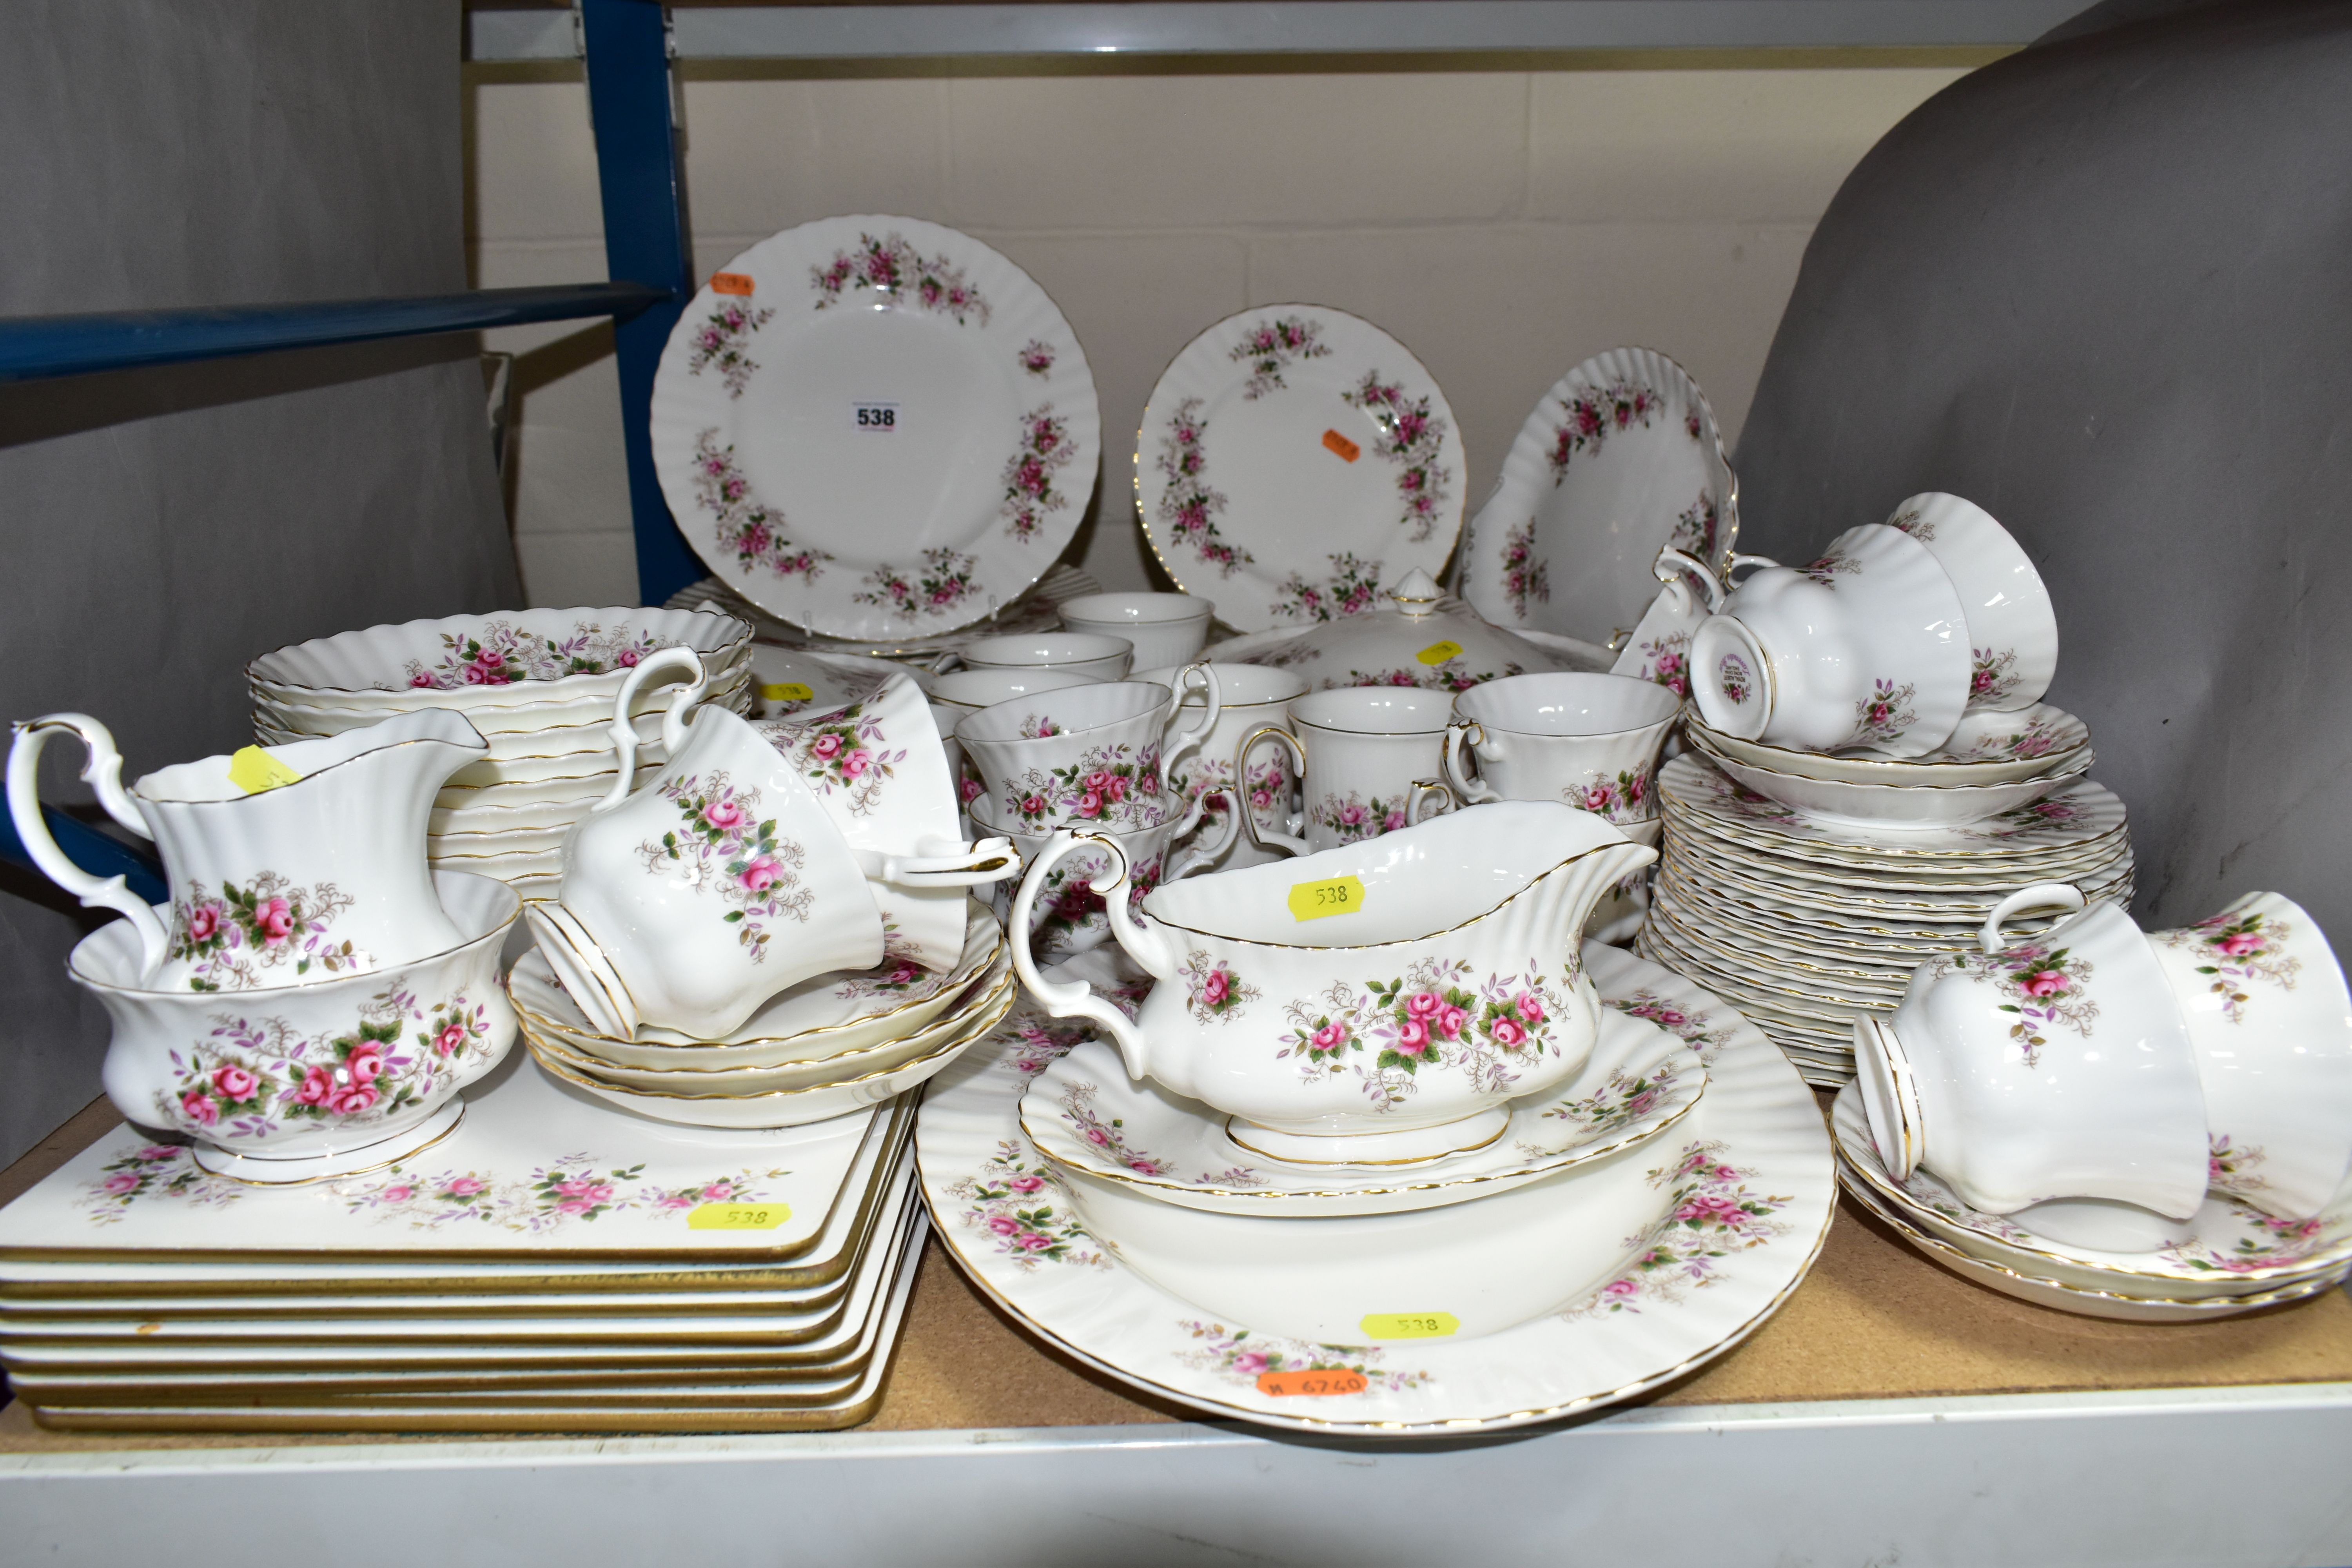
[{"x": 1325, "y": 1382}]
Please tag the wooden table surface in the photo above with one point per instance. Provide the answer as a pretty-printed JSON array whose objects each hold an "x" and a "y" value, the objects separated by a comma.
[{"x": 1872, "y": 1320}]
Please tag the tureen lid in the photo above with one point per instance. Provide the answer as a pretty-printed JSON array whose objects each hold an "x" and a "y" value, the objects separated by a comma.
[{"x": 1421, "y": 636}]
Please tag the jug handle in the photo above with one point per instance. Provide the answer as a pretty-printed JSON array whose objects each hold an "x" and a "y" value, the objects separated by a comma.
[
  {"x": 944, "y": 863},
  {"x": 1425, "y": 789},
  {"x": 1199, "y": 732},
  {"x": 1260, "y": 837},
  {"x": 1475, "y": 790},
  {"x": 1075, "y": 998},
  {"x": 103, "y": 771},
  {"x": 624, "y": 734},
  {"x": 2038, "y": 896}
]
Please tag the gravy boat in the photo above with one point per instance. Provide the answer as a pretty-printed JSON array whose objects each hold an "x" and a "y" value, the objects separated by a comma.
[{"x": 1379, "y": 1003}]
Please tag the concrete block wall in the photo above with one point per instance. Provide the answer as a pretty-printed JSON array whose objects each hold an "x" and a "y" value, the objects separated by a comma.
[{"x": 1503, "y": 224}]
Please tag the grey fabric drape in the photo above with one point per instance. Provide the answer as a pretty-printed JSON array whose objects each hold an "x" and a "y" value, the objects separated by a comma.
[
  {"x": 2100, "y": 288},
  {"x": 159, "y": 529}
]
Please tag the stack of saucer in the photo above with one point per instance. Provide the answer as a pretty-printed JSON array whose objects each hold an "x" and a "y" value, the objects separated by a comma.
[
  {"x": 2229, "y": 1257},
  {"x": 831, "y": 1045},
  {"x": 538, "y": 684},
  {"x": 1804, "y": 924},
  {"x": 548, "y": 1267}
]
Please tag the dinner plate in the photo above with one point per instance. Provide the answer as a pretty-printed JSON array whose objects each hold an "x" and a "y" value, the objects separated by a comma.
[
  {"x": 1619, "y": 460},
  {"x": 1752, "y": 1189},
  {"x": 2082, "y": 814},
  {"x": 1294, "y": 462},
  {"x": 874, "y": 428},
  {"x": 1083, "y": 1114}
]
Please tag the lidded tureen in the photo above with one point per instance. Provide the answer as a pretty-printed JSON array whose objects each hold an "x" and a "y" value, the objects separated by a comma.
[{"x": 1422, "y": 636}]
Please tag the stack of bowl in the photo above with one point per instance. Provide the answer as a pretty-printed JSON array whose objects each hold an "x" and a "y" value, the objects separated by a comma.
[
  {"x": 1807, "y": 917},
  {"x": 830, "y": 1045},
  {"x": 538, "y": 684}
]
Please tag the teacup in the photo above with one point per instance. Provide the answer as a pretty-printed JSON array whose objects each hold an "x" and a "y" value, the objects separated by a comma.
[
  {"x": 2272, "y": 1022},
  {"x": 965, "y": 692},
  {"x": 1658, "y": 648},
  {"x": 342, "y": 1073},
  {"x": 1166, "y": 628},
  {"x": 1587, "y": 741},
  {"x": 2057, "y": 1068},
  {"x": 1069, "y": 914},
  {"x": 1253, "y": 696},
  {"x": 1865, "y": 646},
  {"x": 877, "y": 766},
  {"x": 1377, "y": 1003},
  {"x": 1092, "y": 653},
  {"x": 1086, "y": 756},
  {"x": 287, "y": 865},
  {"x": 2012, "y": 628},
  {"x": 1366, "y": 755},
  {"x": 691, "y": 903}
]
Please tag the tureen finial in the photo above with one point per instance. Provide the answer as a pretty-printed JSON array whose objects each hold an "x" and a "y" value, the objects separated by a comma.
[{"x": 1417, "y": 594}]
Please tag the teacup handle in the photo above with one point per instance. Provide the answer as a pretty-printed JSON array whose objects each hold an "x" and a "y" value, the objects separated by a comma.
[
  {"x": 1192, "y": 738},
  {"x": 1476, "y": 791},
  {"x": 1074, "y": 998},
  {"x": 103, "y": 771},
  {"x": 1201, "y": 857},
  {"x": 2040, "y": 895},
  {"x": 1678, "y": 569},
  {"x": 1735, "y": 561},
  {"x": 945, "y": 863},
  {"x": 1423, "y": 790},
  {"x": 624, "y": 734},
  {"x": 1265, "y": 839}
]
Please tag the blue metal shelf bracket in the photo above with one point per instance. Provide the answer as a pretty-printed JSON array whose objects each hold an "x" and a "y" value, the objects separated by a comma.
[
  {"x": 100, "y": 854},
  {"x": 627, "y": 45}
]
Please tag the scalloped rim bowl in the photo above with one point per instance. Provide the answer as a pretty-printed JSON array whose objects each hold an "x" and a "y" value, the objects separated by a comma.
[
  {"x": 1891, "y": 806},
  {"x": 1939, "y": 767},
  {"x": 368, "y": 668}
]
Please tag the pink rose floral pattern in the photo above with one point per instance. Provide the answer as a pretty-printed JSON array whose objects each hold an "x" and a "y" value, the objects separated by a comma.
[
  {"x": 252, "y": 1078},
  {"x": 1413, "y": 438},
  {"x": 2037, "y": 738},
  {"x": 1188, "y": 504},
  {"x": 1045, "y": 449},
  {"x": 1627, "y": 797},
  {"x": 1624, "y": 1100},
  {"x": 1452, "y": 675},
  {"x": 1992, "y": 674},
  {"x": 576, "y": 1189},
  {"x": 1243, "y": 1357},
  {"x": 721, "y": 845},
  {"x": 1212, "y": 989},
  {"x": 1668, "y": 662},
  {"x": 1733, "y": 678},
  {"x": 1435, "y": 1016},
  {"x": 1108, "y": 786},
  {"x": 747, "y": 528},
  {"x": 1526, "y": 576},
  {"x": 1109, "y": 1135},
  {"x": 499, "y": 653},
  {"x": 1012, "y": 1203},
  {"x": 1272, "y": 347},
  {"x": 1069, "y": 916},
  {"x": 1036, "y": 356},
  {"x": 2273, "y": 1243},
  {"x": 1592, "y": 415},
  {"x": 721, "y": 339},
  {"x": 844, "y": 751},
  {"x": 1886, "y": 714},
  {"x": 155, "y": 1170},
  {"x": 2230, "y": 1169},
  {"x": 899, "y": 977},
  {"x": 2043, "y": 986},
  {"x": 1686, "y": 1024},
  {"x": 1354, "y": 585},
  {"x": 266, "y": 924},
  {"x": 892, "y": 269},
  {"x": 1712, "y": 1216},
  {"x": 1354, "y": 819},
  {"x": 1695, "y": 528},
  {"x": 1829, "y": 568},
  {"x": 1040, "y": 1041},
  {"x": 1211, "y": 780},
  {"x": 943, "y": 582},
  {"x": 2240, "y": 948}
]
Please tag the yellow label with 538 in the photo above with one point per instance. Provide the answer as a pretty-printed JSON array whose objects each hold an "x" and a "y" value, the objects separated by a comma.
[
  {"x": 1410, "y": 1325},
  {"x": 785, "y": 691},
  {"x": 738, "y": 1217},
  {"x": 1334, "y": 896},
  {"x": 1439, "y": 652},
  {"x": 253, "y": 770}
]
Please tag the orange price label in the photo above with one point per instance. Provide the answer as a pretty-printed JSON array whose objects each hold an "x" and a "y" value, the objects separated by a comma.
[
  {"x": 1337, "y": 1380},
  {"x": 730, "y": 283},
  {"x": 1349, "y": 451}
]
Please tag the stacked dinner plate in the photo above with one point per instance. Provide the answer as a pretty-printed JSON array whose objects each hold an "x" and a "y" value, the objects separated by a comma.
[
  {"x": 548, "y": 1267},
  {"x": 1034, "y": 611},
  {"x": 830, "y": 1046},
  {"x": 540, "y": 685},
  {"x": 2228, "y": 1257},
  {"x": 1804, "y": 923}
]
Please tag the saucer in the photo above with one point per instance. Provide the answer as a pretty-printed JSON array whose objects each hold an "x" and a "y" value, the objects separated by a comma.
[
  {"x": 2076, "y": 818},
  {"x": 1750, "y": 1194},
  {"x": 1083, "y": 1114}
]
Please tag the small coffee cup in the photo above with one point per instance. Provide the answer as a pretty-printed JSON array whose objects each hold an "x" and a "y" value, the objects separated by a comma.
[
  {"x": 1366, "y": 757},
  {"x": 1086, "y": 756},
  {"x": 1091, "y": 654},
  {"x": 1166, "y": 628},
  {"x": 1587, "y": 741}
]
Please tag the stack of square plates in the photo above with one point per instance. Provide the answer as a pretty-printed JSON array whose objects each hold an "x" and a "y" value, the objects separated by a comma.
[
  {"x": 548, "y": 1266},
  {"x": 1804, "y": 925},
  {"x": 2228, "y": 1257},
  {"x": 540, "y": 685}
]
